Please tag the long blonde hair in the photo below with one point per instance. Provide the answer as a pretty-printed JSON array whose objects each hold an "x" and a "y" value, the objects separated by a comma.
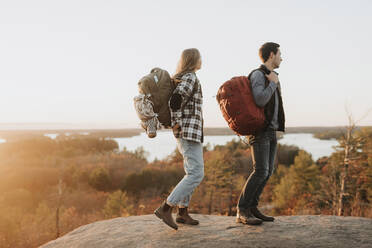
[{"x": 187, "y": 63}]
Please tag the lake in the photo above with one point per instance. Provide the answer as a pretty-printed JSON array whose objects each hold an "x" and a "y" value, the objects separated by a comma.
[
  {"x": 317, "y": 147},
  {"x": 164, "y": 143}
]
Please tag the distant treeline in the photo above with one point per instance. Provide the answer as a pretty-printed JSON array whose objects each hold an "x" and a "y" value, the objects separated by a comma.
[
  {"x": 96, "y": 133},
  {"x": 319, "y": 132},
  {"x": 327, "y": 135}
]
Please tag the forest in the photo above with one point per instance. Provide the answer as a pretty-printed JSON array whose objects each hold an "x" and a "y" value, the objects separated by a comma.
[{"x": 49, "y": 187}]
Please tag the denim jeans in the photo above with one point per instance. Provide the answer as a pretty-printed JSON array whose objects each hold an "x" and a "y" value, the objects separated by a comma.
[
  {"x": 263, "y": 148},
  {"x": 193, "y": 164}
]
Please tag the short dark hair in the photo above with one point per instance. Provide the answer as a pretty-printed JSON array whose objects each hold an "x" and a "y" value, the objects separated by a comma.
[{"x": 266, "y": 49}]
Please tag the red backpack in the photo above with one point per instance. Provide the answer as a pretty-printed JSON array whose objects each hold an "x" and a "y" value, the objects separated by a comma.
[{"x": 238, "y": 107}]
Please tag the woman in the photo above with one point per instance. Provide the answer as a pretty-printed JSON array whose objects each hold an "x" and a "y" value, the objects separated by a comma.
[{"x": 187, "y": 124}]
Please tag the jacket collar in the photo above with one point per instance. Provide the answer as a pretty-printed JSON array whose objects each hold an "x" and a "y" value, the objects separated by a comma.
[{"x": 265, "y": 69}]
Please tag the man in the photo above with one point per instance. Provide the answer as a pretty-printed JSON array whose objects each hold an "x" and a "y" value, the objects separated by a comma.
[{"x": 267, "y": 94}]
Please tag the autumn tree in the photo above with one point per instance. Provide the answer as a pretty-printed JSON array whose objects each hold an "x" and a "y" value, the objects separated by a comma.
[
  {"x": 117, "y": 205},
  {"x": 100, "y": 179},
  {"x": 297, "y": 188}
]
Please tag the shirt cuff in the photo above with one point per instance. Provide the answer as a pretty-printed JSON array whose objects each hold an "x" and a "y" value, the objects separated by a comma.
[
  {"x": 176, "y": 121},
  {"x": 178, "y": 115}
]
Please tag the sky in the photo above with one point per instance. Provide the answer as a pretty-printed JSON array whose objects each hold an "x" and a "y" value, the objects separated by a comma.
[{"x": 79, "y": 62}]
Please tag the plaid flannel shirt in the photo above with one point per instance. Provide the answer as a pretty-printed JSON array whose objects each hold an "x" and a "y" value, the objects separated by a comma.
[{"x": 191, "y": 118}]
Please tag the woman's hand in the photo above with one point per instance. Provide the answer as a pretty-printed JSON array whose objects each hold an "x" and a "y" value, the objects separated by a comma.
[{"x": 176, "y": 127}]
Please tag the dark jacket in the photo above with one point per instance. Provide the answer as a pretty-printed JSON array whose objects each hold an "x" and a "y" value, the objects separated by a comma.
[{"x": 270, "y": 106}]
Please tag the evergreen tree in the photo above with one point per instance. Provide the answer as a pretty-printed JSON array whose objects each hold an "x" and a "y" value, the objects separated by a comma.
[
  {"x": 117, "y": 205},
  {"x": 296, "y": 189}
]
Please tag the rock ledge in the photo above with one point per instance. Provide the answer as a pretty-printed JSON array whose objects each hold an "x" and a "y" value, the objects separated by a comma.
[{"x": 221, "y": 232}]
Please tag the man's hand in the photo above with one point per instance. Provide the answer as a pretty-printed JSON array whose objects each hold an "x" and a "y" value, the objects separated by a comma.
[
  {"x": 176, "y": 127},
  {"x": 273, "y": 77}
]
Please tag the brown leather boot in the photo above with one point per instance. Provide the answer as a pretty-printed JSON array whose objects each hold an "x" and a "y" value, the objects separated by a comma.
[
  {"x": 164, "y": 212},
  {"x": 184, "y": 217},
  {"x": 256, "y": 213},
  {"x": 246, "y": 217}
]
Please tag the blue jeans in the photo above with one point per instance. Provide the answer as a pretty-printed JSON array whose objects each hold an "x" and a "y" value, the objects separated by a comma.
[
  {"x": 193, "y": 164},
  {"x": 263, "y": 148}
]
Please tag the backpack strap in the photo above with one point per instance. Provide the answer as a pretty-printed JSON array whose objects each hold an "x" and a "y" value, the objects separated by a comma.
[
  {"x": 258, "y": 69},
  {"x": 261, "y": 69}
]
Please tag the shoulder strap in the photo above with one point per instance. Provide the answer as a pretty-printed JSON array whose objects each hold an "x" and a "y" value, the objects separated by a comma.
[
  {"x": 261, "y": 70},
  {"x": 258, "y": 69}
]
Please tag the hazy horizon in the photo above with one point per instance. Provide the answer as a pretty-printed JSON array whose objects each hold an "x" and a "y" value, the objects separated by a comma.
[{"x": 77, "y": 126}]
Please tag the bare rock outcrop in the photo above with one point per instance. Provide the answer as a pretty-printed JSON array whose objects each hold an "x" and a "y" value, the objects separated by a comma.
[{"x": 221, "y": 232}]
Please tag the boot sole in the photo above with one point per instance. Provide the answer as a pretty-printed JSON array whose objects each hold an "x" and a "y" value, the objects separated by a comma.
[
  {"x": 266, "y": 220},
  {"x": 160, "y": 216},
  {"x": 180, "y": 221},
  {"x": 184, "y": 222}
]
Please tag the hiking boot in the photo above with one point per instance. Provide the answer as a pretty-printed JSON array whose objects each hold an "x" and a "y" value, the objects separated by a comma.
[
  {"x": 246, "y": 217},
  {"x": 164, "y": 212},
  {"x": 184, "y": 217},
  {"x": 256, "y": 213}
]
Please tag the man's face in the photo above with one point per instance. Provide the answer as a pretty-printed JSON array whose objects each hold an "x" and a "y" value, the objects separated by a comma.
[{"x": 277, "y": 59}]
